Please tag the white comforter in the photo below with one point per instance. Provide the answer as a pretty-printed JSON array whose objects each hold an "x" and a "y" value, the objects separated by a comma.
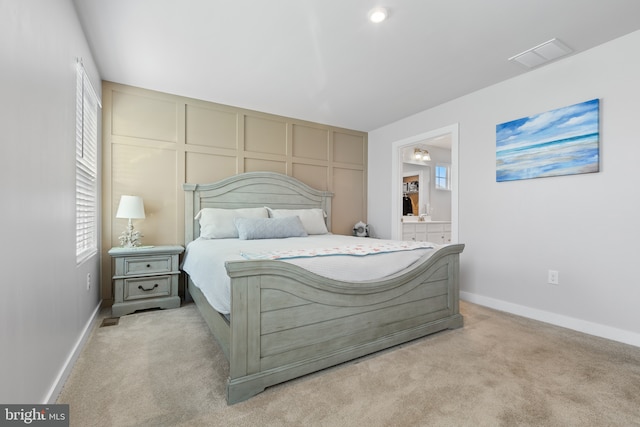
[{"x": 205, "y": 258}]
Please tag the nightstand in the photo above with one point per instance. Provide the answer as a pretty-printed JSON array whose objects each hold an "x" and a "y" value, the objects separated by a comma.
[{"x": 145, "y": 277}]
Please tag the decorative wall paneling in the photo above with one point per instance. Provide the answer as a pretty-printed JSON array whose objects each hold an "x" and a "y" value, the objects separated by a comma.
[{"x": 154, "y": 142}]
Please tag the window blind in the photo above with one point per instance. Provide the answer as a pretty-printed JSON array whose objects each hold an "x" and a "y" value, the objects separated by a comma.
[{"x": 87, "y": 109}]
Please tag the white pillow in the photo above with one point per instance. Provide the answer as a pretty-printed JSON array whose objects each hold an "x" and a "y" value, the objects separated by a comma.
[
  {"x": 218, "y": 223},
  {"x": 312, "y": 219},
  {"x": 269, "y": 228}
]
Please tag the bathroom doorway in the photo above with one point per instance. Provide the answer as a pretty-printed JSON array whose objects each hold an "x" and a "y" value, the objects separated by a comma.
[{"x": 446, "y": 137}]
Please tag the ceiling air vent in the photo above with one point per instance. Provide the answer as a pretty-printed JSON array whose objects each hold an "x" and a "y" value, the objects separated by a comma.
[{"x": 541, "y": 54}]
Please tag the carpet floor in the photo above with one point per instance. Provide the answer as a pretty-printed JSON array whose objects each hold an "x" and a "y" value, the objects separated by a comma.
[{"x": 163, "y": 368}]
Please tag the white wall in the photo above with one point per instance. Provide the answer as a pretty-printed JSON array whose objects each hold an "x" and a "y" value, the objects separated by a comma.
[
  {"x": 584, "y": 226},
  {"x": 440, "y": 199},
  {"x": 44, "y": 304}
]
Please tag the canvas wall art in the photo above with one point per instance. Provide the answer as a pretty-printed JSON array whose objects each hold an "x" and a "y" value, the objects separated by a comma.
[{"x": 565, "y": 141}]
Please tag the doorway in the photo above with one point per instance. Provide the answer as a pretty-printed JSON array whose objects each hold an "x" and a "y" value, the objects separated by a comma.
[{"x": 398, "y": 147}]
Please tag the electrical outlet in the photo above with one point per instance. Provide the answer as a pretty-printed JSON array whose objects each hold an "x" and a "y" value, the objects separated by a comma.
[
  {"x": 553, "y": 277},
  {"x": 88, "y": 281}
]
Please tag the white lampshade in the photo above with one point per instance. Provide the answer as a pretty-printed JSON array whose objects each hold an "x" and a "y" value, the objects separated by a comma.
[{"x": 130, "y": 207}]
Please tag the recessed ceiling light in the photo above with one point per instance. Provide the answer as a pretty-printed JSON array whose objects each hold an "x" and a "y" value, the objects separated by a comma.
[{"x": 378, "y": 14}]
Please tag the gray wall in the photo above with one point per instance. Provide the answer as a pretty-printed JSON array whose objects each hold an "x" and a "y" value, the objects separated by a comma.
[
  {"x": 584, "y": 226},
  {"x": 45, "y": 305}
]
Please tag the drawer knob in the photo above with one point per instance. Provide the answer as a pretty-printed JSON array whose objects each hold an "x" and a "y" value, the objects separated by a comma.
[
  {"x": 148, "y": 265},
  {"x": 147, "y": 290}
]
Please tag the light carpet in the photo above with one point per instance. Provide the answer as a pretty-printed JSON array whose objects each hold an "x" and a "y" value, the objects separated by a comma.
[{"x": 163, "y": 368}]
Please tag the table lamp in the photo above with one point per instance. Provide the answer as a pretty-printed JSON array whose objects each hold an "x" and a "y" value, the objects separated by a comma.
[{"x": 131, "y": 207}]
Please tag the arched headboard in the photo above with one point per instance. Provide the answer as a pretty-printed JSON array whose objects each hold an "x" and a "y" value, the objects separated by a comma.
[{"x": 251, "y": 190}]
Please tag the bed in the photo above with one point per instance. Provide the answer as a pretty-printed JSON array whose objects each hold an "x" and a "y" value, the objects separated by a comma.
[{"x": 286, "y": 321}]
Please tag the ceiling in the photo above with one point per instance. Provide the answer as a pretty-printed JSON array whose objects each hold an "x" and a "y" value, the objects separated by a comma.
[{"x": 323, "y": 61}]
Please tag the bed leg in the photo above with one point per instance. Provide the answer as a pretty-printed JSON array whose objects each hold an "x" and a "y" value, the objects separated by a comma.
[
  {"x": 241, "y": 391},
  {"x": 456, "y": 321},
  {"x": 187, "y": 295}
]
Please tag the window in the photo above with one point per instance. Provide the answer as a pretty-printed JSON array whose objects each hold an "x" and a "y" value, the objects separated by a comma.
[
  {"x": 87, "y": 108},
  {"x": 443, "y": 177}
]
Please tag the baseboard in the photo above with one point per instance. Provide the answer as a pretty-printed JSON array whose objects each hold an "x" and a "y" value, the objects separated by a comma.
[
  {"x": 56, "y": 388},
  {"x": 583, "y": 326}
]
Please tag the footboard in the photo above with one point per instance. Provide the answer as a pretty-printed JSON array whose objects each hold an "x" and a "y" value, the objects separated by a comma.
[{"x": 287, "y": 322}]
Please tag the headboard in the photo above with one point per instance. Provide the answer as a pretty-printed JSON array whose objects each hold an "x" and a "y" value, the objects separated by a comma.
[{"x": 251, "y": 190}]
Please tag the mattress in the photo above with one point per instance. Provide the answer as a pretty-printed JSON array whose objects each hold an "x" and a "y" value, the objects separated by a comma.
[{"x": 205, "y": 259}]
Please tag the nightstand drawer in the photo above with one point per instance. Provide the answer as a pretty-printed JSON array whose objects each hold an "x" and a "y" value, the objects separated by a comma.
[
  {"x": 147, "y": 265},
  {"x": 147, "y": 287}
]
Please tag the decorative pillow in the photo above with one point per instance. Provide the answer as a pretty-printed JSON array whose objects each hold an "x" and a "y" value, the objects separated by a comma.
[
  {"x": 312, "y": 219},
  {"x": 269, "y": 228},
  {"x": 218, "y": 223}
]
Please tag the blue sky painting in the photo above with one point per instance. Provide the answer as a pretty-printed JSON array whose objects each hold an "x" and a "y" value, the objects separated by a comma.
[{"x": 558, "y": 142}]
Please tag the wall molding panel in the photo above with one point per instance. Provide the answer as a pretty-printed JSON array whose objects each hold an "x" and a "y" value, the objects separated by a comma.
[{"x": 154, "y": 142}]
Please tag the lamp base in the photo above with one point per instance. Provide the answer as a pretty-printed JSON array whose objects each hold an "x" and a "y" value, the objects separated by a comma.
[{"x": 130, "y": 238}]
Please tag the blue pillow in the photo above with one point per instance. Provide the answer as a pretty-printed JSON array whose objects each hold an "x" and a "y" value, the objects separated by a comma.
[{"x": 269, "y": 228}]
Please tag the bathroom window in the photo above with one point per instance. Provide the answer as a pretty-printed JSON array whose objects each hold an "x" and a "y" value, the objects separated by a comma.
[{"x": 443, "y": 176}]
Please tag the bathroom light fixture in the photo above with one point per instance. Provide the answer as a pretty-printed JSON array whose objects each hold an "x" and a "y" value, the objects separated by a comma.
[
  {"x": 420, "y": 154},
  {"x": 378, "y": 14}
]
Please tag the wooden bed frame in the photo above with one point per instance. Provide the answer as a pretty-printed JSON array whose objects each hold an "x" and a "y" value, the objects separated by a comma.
[{"x": 287, "y": 322}]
